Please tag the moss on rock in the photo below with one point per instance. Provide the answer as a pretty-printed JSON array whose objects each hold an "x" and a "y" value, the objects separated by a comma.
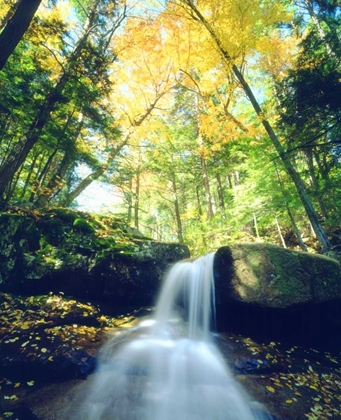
[
  {"x": 272, "y": 276},
  {"x": 81, "y": 254}
]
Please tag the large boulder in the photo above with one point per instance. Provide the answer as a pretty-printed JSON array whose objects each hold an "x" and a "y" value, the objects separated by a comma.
[
  {"x": 271, "y": 276},
  {"x": 72, "y": 252},
  {"x": 269, "y": 291}
]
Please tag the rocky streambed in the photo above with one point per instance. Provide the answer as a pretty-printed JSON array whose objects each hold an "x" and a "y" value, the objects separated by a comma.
[{"x": 50, "y": 345}]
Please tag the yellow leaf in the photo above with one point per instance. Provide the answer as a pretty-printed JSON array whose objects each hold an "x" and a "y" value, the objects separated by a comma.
[
  {"x": 50, "y": 359},
  {"x": 289, "y": 401},
  {"x": 270, "y": 389},
  {"x": 17, "y": 384},
  {"x": 43, "y": 350},
  {"x": 30, "y": 383},
  {"x": 12, "y": 397},
  {"x": 278, "y": 384}
]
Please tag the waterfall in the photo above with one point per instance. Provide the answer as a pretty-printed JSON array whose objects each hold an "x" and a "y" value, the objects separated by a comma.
[{"x": 168, "y": 368}]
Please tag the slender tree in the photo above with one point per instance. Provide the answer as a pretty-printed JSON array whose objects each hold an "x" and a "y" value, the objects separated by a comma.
[
  {"x": 193, "y": 10},
  {"x": 15, "y": 28}
]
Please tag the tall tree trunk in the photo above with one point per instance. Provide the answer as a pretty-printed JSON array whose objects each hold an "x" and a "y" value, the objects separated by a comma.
[
  {"x": 29, "y": 176},
  {"x": 15, "y": 28},
  {"x": 296, "y": 229},
  {"x": 137, "y": 200},
  {"x": 95, "y": 175},
  {"x": 291, "y": 216},
  {"x": 19, "y": 154},
  {"x": 56, "y": 180},
  {"x": 82, "y": 185},
  {"x": 177, "y": 210},
  {"x": 319, "y": 28},
  {"x": 314, "y": 182},
  {"x": 221, "y": 196},
  {"x": 198, "y": 200},
  {"x": 208, "y": 197},
  {"x": 128, "y": 197},
  {"x": 255, "y": 224},
  {"x": 280, "y": 233},
  {"x": 306, "y": 202}
]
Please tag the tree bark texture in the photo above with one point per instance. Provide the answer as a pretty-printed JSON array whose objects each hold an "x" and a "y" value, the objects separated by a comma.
[{"x": 16, "y": 27}]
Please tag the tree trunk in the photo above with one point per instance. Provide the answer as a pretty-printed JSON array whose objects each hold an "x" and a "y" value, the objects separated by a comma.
[
  {"x": 314, "y": 182},
  {"x": 296, "y": 229},
  {"x": 137, "y": 200},
  {"x": 56, "y": 180},
  {"x": 19, "y": 154},
  {"x": 177, "y": 210},
  {"x": 208, "y": 197},
  {"x": 280, "y": 233},
  {"x": 319, "y": 28},
  {"x": 291, "y": 217},
  {"x": 82, "y": 185},
  {"x": 256, "y": 227},
  {"x": 15, "y": 28},
  {"x": 94, "y": 175},
  {"x": 312, "y": 215},
  {"x": 198, "y": 200}
]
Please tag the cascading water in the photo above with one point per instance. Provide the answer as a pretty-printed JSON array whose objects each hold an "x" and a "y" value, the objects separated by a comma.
[{"x": 168, "y": 368}]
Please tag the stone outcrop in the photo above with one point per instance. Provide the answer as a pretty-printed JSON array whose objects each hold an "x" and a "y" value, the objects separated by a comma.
[
  {"x": 266, "y": 291},
  {"x": 72, "y": 252},
  {"x": 270, "y": 276}
]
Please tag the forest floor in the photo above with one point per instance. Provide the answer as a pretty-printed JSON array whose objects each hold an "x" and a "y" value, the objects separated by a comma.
[{"x": 49, "y": 346}]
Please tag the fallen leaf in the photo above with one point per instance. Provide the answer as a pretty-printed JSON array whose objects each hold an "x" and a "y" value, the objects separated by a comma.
[
  {"x": 12, "y": 397},
  {"x": 270, "y": 389}
]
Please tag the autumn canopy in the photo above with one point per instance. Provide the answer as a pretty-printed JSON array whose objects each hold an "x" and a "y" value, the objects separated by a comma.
[{"x": 215, "y": 121}]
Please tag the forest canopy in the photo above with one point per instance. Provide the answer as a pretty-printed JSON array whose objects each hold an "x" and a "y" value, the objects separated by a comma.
[{"x": 217, "y": 121}]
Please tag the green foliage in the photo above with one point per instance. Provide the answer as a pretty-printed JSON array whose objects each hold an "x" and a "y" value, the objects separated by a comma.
[{"x": 83, "y": 226}]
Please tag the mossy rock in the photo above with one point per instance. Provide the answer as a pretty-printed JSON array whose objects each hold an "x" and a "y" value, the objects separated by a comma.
[
  {"x": 83, "y": 225},
  {"x": 271, "y": 276}
]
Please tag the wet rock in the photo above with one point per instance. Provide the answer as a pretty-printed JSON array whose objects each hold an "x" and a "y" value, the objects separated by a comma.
[{"x": 47, "y": 363}]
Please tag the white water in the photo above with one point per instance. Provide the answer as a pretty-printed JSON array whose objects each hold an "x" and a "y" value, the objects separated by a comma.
[{"x": 168, "y": 368}]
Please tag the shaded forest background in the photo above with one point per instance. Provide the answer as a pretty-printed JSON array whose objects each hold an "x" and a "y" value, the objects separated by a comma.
[{"x": 218, "y": 121}]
